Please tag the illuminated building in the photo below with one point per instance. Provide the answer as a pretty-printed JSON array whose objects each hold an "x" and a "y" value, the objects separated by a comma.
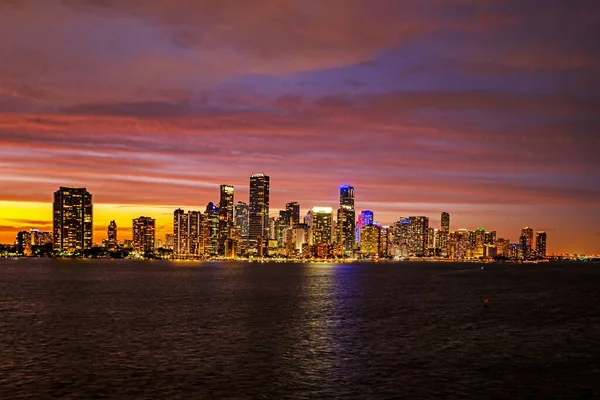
[
  {"x": 443, "y": 235},
  {"x": 479, "y": 243},
  {"x": 524, "y": 249},
  {"x": 72, "y": 219},
  {"x": 528, "y": 233},
  {"x": 431, "y": 241},
  {"x": 281, "y": 225},
  {"x": 384, "y": 241},
  {"x": 293, "y": 210},
  {"x": 40, "y": 238},
  {"x": 112, "y": 236},
  {"x": 169, "y": 241},
  {"x": 187, "y": 240},
  {"x": 211, "y": 229},
  {"x": 23, "y": 243},
  {"x": 258, "y": 210},
  {"x": 241, "y": 219},
  {"x": 417, "y": 235},
  {"x": 347, "y": 197},
  {"x": 321, "y": 220},
  {"x": 503, "y": 247},
  {"x": 365, "y": 218},
  {"x": 540, "y": 244},
  {"x": 225, "y": 216},
  {"x": 346, "y": 229},
  {"x": 370, "y": 240},
  {"x": 459, "y": 244},
  {"x": 143, "y": 235}
]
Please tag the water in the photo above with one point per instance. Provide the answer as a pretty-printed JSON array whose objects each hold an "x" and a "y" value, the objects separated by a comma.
[{"x": 123, "y": 329}]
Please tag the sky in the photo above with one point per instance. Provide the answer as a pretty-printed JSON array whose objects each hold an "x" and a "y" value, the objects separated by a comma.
[{"x": 486, "y": 109}]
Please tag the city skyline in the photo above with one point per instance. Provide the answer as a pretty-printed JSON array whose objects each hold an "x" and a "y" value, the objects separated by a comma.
[
  {"x": 196, "y": 232},
  {"x": 486, "y": 110}
]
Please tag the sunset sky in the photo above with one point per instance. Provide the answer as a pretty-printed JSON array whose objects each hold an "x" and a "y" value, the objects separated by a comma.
[{"x": 486, "y": 109}]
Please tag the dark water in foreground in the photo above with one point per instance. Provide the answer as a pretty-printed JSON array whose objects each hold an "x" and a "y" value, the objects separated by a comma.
[{"x": 124, "y": 329}]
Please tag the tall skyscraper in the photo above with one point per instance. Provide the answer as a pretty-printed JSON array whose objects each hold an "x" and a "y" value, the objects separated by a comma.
[
  {"x": 72, "y": 219},
  {"x": 211, "y": 229},
  {"x": 528, "y": 233},
  {"x": 258, "y": 210},
  {"x": 188, "y": 234},
  {"x": 241, "y": 219},
  {"x": 540, "y": 244},
  {"x": 347, "y": 196},
  {"x": 346, "y": 219},
  {"x": 293, "y": 210},
  {"x": 443, "y": 234},
  {"x": 112, "y": 235},
  {"x": 321, "y": 221},
  {"x": 143, "y": 235},
  {"x": 365, "y": 218},
  {"x": 370, "y": 240},
  {"x": 225, "y": 216},
  {"x": 417, "y": 235}
]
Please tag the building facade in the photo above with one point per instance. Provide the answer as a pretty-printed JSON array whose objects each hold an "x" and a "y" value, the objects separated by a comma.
[{"x": 72, "y": 219}]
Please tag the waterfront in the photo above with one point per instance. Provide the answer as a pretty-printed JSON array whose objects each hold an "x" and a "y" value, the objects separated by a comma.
[{"x": 139, "y": 329}]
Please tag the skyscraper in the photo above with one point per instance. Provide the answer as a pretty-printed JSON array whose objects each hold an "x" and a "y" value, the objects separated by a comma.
[
  {"x": 320, "y": 225},
  {"x": 347, "y": 196},
  {"x": 346, "y": 219},
  {"x": 293, "y": 210},
  {"x": 72, "y": 219},
  {"x": 225, "y": 216},
  {"x": 540, "y": 244},
  {"x": 211, "y": 229},
  {"x": 258, "y": 210},
  {"x": 417, "y": 235},
  {"x": 365, "y": 218},
  {"x": 143, "y": 235},
  {"x": 528, "y": 233},
  {"x": 527, "y": 244},
  {"x": 241, "y": 219},
  {"x": 112, "y": 235},
  {"x": 188, "y": 234},
  {"x": 370, "y": 240},
  {"x": 443, "y": 234}
]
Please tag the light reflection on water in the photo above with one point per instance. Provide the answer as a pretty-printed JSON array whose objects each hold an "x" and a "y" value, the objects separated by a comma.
[{"x": 122, "y": 329}]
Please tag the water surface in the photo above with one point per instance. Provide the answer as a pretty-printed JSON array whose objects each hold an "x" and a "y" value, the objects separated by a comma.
[{"x": 157, "y": 329}]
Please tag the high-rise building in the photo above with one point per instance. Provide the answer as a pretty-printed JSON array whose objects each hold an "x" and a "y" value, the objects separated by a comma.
[
  {"x": 365, "y": 218},
  {"x": 370, "y": 240},
  {"x": 258, "y": 209},
  {"x": 524, "y": 248},
  {"x": 40, "y": 238},
  {"x": 293, "y": 210},
  {"x": 112, "y": 236},
  {"x": 187, "y": 240},
  {"x": 417, "y": 235},
  {"x": 540, "y": 244},
  {"x": 169, "y": 241},
  {"x": 321, "y": 220},
  {"x": 211, "y": 229},
  {"x": 445, "y": 225},
  {"x": 347, "y": 197},
  {"x": 226, "y": 208},
  {"x": 346, "y": 219},
  {"x": 23, "y": 243},
  {"x": 241, "y": 219},
  {"x": 72, "y": 219},
  {"x": 346, "y": 229},
  {"x": 443, "y": 234},
  {"x": 143, "y": 235},
  {"x": 528, "y": 233},
  {"x": 479, "y": 243}
]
